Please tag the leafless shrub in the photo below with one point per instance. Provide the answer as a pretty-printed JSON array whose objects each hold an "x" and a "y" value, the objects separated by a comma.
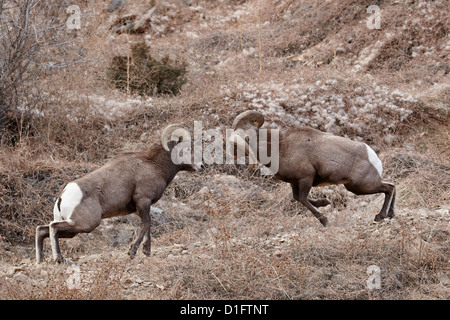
[{"x": 30, "y": 30}]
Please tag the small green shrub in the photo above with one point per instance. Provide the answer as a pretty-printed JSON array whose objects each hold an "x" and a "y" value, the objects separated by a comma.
[{"x": 143, "y": 74}]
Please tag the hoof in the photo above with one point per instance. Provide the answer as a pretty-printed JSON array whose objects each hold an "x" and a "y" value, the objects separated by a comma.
[
  {"x": 132, "y": 253},
  {"x": 378, "y": 218},
  {"x": 63, "y": 261},
  {"x": 323, "y": 220},
  {"x": 391, "y": 214}
]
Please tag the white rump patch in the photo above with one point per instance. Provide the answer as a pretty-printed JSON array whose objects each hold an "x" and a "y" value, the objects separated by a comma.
[
  {"x": 374, "y": 160},
  {"x": 69, "y": 200}
]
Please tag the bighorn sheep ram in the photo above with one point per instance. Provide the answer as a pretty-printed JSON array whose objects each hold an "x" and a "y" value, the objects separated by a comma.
[
  {"x": 131, "y": 182},
  {"x": 310, "y": 158}
]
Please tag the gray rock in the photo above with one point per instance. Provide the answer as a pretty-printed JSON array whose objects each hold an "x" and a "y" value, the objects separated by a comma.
[{"x": 116, "y": 4}]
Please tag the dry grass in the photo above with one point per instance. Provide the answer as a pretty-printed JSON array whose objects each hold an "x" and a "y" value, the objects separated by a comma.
[{"x": 229, "y": 233}]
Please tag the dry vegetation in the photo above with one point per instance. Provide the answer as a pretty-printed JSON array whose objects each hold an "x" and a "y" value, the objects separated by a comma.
[{"x": 229, "y": 233}]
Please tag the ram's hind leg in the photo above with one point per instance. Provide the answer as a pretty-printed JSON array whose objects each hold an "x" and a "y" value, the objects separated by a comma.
[
  {"x": 382, "y": 187},
  {"x": 60, "y": 229},
  {"x": 67, "y": 229},
  {"x": 42, "y": 232},
  {"x": 300, "y": 191}
]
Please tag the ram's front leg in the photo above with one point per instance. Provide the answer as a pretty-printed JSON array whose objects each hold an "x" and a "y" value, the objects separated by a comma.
[
  {"x": 300, "y": 191},
  {"x": 42, "y": 232},
  {"x": 143, "y": 211}
]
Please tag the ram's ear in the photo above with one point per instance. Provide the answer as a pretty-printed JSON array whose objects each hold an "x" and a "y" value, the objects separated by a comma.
[
  {"x": 171, "y": 145},
  {"x": 174, "y": 133}
]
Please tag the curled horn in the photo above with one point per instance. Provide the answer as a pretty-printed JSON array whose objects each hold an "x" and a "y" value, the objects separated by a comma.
[
  {"x": 174, "y": 130},
  {"x": 244, "y": 119}
]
